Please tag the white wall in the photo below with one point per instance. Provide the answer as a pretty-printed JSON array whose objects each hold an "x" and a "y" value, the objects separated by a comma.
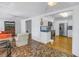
[
  {"x": 36, "y": 28},
  {"x": 75, "y": 41},
  {"x": 23, "y": 27},
  {"x": 70, "y": 23},
  {"x": 18, "y": 26},
  {"x": 56, "y": 27},
  {"x": 1, "y": 25}
]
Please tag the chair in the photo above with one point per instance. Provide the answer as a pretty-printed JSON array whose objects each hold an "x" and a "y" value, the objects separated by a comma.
[
  {"x": 6, "y": 48},
  {"x": 21, "y": 39},
  {"x": 5, "y": 40}
]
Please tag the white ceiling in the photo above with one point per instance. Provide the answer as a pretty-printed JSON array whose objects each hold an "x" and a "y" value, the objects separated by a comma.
[
  {"x": 21, "y": 10},
  {"x": 61, "y": 5}
]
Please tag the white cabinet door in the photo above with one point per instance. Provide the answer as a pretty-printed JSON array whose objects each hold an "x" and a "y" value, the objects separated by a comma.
[{"x": 45, "y": 37}]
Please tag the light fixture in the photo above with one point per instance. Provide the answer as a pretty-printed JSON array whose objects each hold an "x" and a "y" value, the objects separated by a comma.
[
  {"x": 52, "y": 3},
  {"x": 41, "y": 21},
  {"x": 65, "y": 14}
]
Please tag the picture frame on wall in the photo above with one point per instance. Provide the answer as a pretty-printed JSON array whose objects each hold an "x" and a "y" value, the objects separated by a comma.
[
  {"x": 44, "y": 28},
  {"x": 69, "y": 27}
]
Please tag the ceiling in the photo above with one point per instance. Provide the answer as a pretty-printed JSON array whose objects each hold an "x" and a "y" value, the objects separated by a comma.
[{"x": 22, "y": 10}]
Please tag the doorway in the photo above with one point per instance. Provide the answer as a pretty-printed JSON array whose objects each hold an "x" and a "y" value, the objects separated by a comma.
[
  {"x": 28, "y": 26},
  {"x": 61, "y": 29}
]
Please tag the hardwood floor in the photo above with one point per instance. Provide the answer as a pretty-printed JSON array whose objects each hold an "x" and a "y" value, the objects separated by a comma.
[{"x": 63, "y": 44}]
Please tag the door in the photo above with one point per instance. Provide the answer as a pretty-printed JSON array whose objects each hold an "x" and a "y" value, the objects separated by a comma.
[{"x": 61, "y": 29}]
